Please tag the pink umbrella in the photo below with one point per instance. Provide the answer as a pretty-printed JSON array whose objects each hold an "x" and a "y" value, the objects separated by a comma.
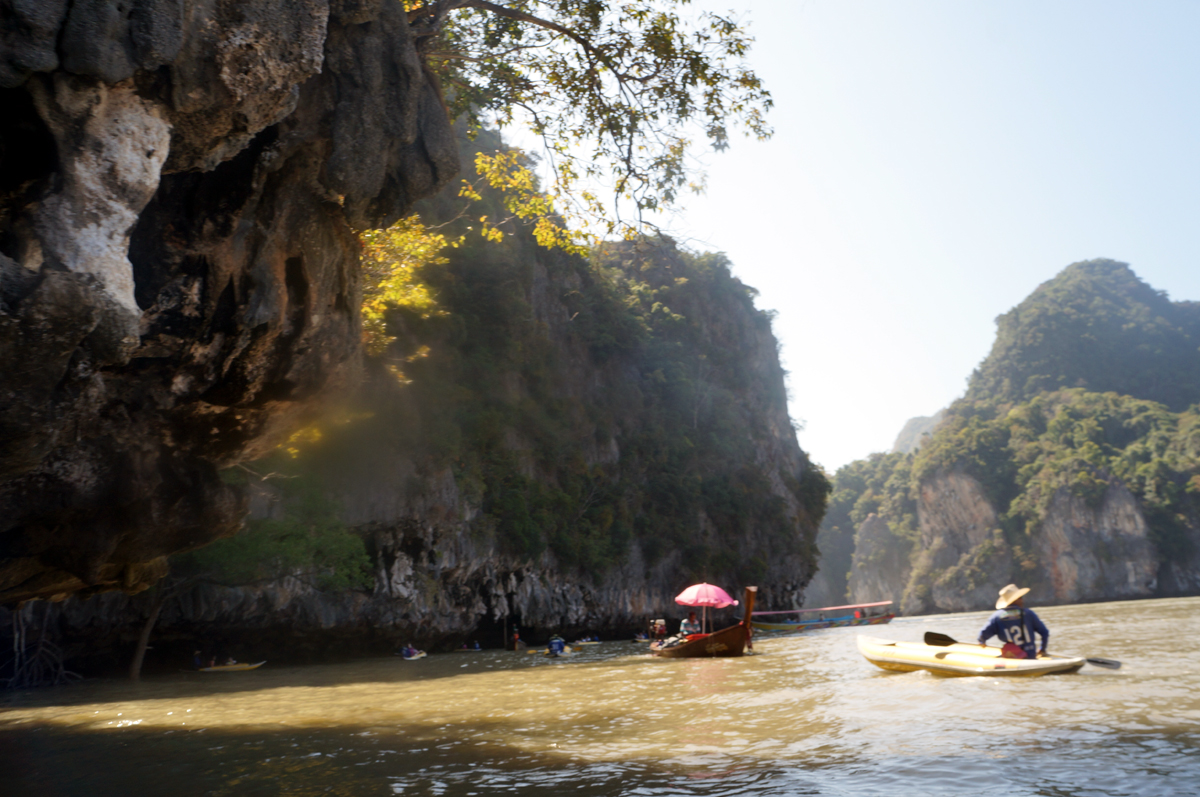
[{"x": 705, "y": 595}]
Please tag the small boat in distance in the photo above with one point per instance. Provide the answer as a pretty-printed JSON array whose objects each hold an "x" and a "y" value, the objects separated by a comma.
[
  {"x": 566, "y": 651},
  {"x": 236, "y": 667},
  {"x": 731, "y": 641},
  {"x": 852, "y": 614}
]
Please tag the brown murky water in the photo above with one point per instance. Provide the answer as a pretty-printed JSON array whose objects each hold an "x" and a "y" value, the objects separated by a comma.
[{"x": 806, "y": 715}]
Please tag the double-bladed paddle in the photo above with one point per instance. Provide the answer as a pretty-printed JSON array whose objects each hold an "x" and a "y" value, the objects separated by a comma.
[{"x": 937, "y": 640}]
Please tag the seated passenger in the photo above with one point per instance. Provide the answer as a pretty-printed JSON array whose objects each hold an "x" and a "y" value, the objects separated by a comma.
[{"x": 689, "y": 626}]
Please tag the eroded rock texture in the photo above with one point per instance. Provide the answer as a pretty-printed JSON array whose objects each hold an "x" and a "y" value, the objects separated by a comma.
[
  {"x": 179, "y": 183},
  {"x": 962, "y": 552},
  {"x": 1097, "y": 553}
]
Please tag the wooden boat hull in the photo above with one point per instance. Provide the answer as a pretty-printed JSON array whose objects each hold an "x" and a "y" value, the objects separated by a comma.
[
  {"x": 959, "y": 659},
  {"x": 731, "y": 641},
  {"x": 232, "y": 667},
  {"x": 831, "y": 622}
]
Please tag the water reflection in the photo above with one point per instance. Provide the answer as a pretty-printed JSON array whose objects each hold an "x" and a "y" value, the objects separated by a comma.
[{"x": 806, "y": 716}]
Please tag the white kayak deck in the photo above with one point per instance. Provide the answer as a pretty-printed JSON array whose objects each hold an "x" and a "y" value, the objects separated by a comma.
[{"x": 959, "y": 659}]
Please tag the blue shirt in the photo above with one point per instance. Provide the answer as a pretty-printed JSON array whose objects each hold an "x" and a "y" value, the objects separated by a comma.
[{"x": 1008, "y": 626}]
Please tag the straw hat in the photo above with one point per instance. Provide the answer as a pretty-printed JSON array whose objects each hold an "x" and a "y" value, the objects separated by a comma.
[{"x": 1010, "y": 594}]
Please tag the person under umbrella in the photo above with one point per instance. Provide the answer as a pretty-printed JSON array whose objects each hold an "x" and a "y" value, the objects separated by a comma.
[{"x": 705, "y": 595}]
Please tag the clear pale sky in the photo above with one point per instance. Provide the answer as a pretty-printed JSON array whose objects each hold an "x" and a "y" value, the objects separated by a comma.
[{"x": 933, "y": 162}]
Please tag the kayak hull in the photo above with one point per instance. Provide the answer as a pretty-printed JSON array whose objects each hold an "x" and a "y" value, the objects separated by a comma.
[
  {"x": 232, "y": 667},
  {"x": 959, "y": 660}
]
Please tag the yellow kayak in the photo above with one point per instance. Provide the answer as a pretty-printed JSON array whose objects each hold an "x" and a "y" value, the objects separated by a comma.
[
  {"x": 233, "y": 667},
  {"x": 959, "y": 659}
]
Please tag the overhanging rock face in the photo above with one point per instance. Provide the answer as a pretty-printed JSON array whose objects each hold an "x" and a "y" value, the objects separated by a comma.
[{"x": 179, "y": 185}]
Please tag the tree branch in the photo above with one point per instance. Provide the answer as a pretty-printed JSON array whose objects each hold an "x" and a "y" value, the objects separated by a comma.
[{"x": 521, "y": 16}]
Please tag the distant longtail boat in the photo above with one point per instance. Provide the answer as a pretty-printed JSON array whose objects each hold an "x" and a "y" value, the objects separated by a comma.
[{"x": 854, "y": 614}]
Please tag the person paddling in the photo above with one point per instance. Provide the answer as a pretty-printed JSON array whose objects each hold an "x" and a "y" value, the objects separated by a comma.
[{"x": 1016, "y": 625}]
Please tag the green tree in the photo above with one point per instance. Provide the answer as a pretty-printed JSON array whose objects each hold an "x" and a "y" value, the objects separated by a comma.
[
  {"x": 1096, "y": 326},
  {"x": 303, "y": 539},
  {"x": 616, "y": 91}
]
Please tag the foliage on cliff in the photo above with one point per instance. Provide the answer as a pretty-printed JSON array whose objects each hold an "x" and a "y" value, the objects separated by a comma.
[
  {"x": 582, "y": 403},
  {"x": 1026, "y": 439},
  {"x": 302, "y": 537},
  {"x": 1082, "y": 443},
  {"x": 1130, "y": 359},
  {"x": 1098, "y": 327},
  {"x": 494, "y": 400}
]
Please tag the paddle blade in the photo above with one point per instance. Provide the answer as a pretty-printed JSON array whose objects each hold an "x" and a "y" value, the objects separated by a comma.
[
  {"x": 937, "y": 640},
  {"x": 1108, "y": 664}
]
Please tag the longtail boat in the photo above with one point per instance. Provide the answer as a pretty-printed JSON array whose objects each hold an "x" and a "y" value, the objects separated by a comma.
[
  {"x": 731, "y": 641},
  {"x": 853, "y": 614}
]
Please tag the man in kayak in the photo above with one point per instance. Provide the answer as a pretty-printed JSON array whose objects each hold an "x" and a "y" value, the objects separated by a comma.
[{"x": 1016, "y": 625}]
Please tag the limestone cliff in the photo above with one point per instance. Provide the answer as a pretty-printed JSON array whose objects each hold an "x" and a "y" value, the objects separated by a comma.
[
  {"x": 1087, "y": 553},
  {"x": 562, "y": 444},
  {"x": 555, "y": 468},
  {"x": 958, "y": 558},
  {"x": 179, "y": 184},
  {"x": 915, "y": 431},
  {"x": 1081, "y": 551},
  {"x": 1083, "y": 493},
  {"x": 881, "y": 563}
]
